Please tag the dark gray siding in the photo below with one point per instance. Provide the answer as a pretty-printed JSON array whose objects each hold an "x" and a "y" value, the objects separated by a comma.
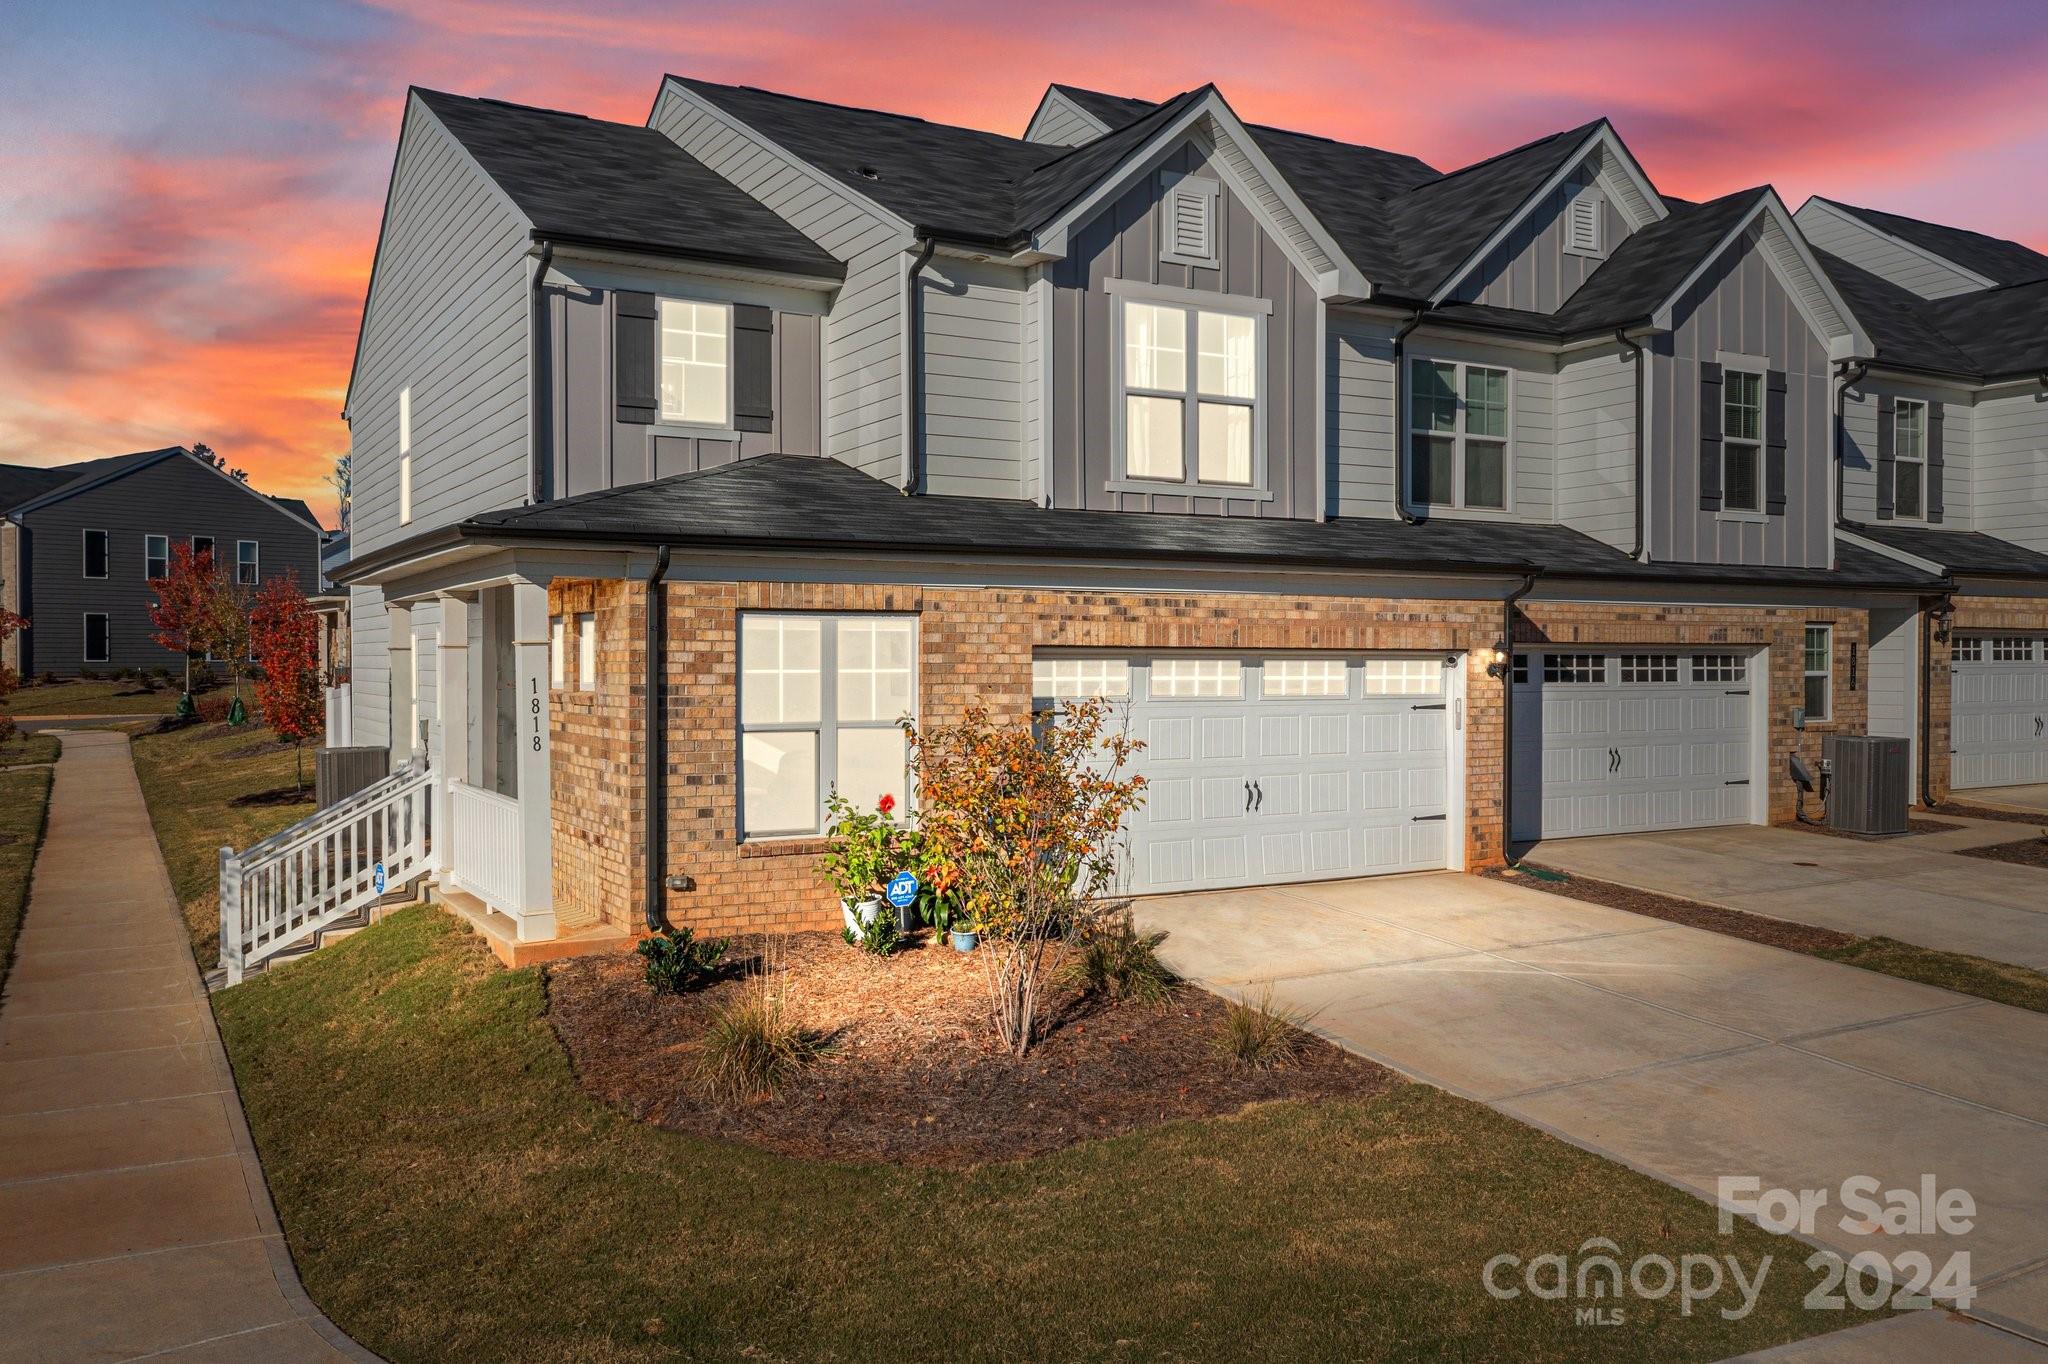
[
  {"x": 1123, "y": 243},
  {"x": 589, "y": 449},
  {"x": 1739, "y": 307},
  {"x": 1531, "y": 269},
  {"x": 176, "y": 497}
]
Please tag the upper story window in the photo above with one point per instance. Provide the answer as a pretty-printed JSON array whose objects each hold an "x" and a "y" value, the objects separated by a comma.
[
  {"x": 1458, "y": 435},
  {"x": 1909, "y": 460},
  {"x": 696, "y": 366},
  {"x": 246, "y": 562},
  {"x": 1190, "y": 394},
  {"x": 202, "y": 548},
  {"x": 156, "y": 557},
  {"x": 95, "y": 565},
  {"x": 404, "y": 455},
  {"x": 1742, "y": 434}
]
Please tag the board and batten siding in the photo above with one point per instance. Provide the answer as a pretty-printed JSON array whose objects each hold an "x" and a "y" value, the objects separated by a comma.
[
  {"x": 1859, "y": 449},
  {"x": 589, "y": 449},
  {"x": 1739, "y": 306},
  {"x": 974, "y": 360},
  {"x": 1596, "y": 454},
  {"x": 1531, "y": 270},
  {"x": 1122, "y": 243},
  {"x": 2010, "y": 467},
  {"x": 1878, "y": 252},
  {"x": 864, "y": 339},
  {"x": 178, "y": 498},
  {"x": 446, "y": 317}
]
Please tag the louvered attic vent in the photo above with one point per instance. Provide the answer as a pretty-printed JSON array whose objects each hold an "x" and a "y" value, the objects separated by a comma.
[
  {"x": 1188, "y": 231},
  {"x": 1583, "y": 222}
]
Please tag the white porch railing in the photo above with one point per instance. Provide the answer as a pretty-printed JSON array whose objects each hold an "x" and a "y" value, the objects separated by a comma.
[
  {"x": 283, "y": 890},
  {"x": 486, "y": 861}
]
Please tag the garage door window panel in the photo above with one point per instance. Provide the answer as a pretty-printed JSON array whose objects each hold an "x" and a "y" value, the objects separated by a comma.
[
  {"x": 1403, "y": 677},
  {"x": 1305, "y": 677},
  {"x": 1196, "y": 679},
  {"x": 1079, "y": 679},
  {"x": 1575, "y": 669},
  {"x": 1648, "y": 669},
  {"x": 1719, "y": 668}
]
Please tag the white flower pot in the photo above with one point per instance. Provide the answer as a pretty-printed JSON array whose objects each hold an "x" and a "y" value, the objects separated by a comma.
[{"x": 860, "y": 913}]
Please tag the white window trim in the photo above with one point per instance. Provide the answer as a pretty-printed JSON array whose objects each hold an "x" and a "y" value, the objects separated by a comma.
[
  {"x": 558, "y": 652},
  {"x": 1899, "y": 407},
  {"x": 85, "y": 637},
  {"x": 1406, "y": 452},
  {"x": 1759, "y": 368},
  {"x": 661, "y": 412},
  {"x": 405, "y": 455},
  {"x": 255, "y": 563},
  {"x": 1192, "y": 302},
  {"x": 165, "y": 557},
  {"x": 586, "y": 651},
  {"x": 1828, "y": 674},
  {"x": 106, "y": 554},
  {"x": 828, "y": 725},
  {"x": 1174, "y": 184}
]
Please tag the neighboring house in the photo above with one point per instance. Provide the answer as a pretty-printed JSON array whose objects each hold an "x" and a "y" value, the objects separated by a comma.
[
  {"x": 1407, "y": 512},
  {"x": 80, "y": 542},
  {"x": 1945, "y": 466}
]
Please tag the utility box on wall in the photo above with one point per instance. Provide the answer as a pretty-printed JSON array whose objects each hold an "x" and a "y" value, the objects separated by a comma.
[{"x": 1872, "y": 784}]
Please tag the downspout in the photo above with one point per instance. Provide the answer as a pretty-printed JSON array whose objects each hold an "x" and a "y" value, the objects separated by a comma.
[
  {"x": 1944, "y": 606},
  {"x": 657, "y": 746},
  {"x": 1844, "y": 381},
  {"x": 1642, "y": 464},
  {"x": 536, "y": 322},
  {"x": 914, "y": 308},
  {"x": 1401, "y": 419},
  {"x": 1507, "y": 716}
]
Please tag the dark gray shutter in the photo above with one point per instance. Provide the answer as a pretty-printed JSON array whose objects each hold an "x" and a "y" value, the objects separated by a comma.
[
  {"x": 753, "y": 368},
  {"x": 636, "y": 356},
  {"x": 1774, "y": 442},
  {"x": 1934, "y": 462},
  {"x": 1710, "y": 436},
  {"x": 1887, "y": 412}
]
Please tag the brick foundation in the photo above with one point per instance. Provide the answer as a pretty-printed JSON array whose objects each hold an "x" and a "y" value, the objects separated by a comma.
[{"x": 975, "y": 648}]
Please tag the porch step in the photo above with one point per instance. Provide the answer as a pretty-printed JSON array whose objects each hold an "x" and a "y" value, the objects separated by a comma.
[
  {"x": 399, "y": 897},
  {"x": 498, "y": 933}
]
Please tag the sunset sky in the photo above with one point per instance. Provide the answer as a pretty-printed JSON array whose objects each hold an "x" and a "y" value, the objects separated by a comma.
[{"x": 189, "y": 192}]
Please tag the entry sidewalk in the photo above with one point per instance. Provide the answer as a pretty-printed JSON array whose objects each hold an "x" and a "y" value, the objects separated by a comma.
[{"x": 134, "y": 1219}]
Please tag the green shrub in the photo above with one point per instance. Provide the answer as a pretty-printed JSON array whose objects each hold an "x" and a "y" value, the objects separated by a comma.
[
  {"x": 755, "y": 1045},
  {"x": 879, "y": 936},
  {"x": 677, "y": 962},
  {"x": 1260, "y": 1035},
  {"x": 1118, "y": 962}
]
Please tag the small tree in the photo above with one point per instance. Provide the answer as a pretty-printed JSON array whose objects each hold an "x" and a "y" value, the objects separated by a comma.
[
  {"x": 1030, "y": 814},
  {"x": 10, "y": 626},
  {"x": 287, "y": 636},
  {"x": 182, "y": 612}
]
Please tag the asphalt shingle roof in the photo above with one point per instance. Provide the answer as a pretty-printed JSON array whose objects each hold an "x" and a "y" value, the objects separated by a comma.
[
  {"x": 1995, "y": 258},
  {"x": 583, "y": 179},
  {"x": 1986, "y": 334},
  {"x": 1959, "y": 551},
  {"x": 21, "y": 483},
  {"x": 803, "y": 502}
]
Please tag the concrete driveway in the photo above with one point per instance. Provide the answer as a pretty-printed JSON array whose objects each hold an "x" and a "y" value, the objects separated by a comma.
[
  {"x": 1912, "y": 889},
  {"x": 1683, "y": 1053},
  {"x": 2033, "y": 797}
]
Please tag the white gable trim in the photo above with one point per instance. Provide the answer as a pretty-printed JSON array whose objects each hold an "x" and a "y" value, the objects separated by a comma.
[
  {"x": 1786, "y": 251},
  {"x": 1619, "y": 175},
  {"x": 1819, "y": 205},
  {"x": 1896, "y": 555},
  {"x": 1210, "y": 122},
  {"x": 1057, "y": 102}
]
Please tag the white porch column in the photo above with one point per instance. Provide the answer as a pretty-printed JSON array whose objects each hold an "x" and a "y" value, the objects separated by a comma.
[
  {"x": 452, "y": 658},
  {"x": 403, "y": 721},
  {"x": 536, "y": 803}
]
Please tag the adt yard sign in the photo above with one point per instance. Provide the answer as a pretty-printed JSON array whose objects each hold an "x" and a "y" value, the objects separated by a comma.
[
  {"x": 903, "y": 890},
  {"x": 377, "y": 878}
]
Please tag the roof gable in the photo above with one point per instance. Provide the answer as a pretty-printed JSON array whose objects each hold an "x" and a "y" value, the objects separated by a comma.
[
  {"x": 1770, "y": 225},
  {"x": 97, "y": 473},
  {"x": 1993, "y": 260}
]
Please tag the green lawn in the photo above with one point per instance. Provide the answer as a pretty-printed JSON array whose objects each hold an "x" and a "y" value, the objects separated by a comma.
[
  {"x": 24, "y": 803},
  {"x": 450, "y": 1193},
  {"x": 91, "y": 698},
  {"x": 30, "y": 748},
  {"x": 191, "y": 778},
  {"x": 2020, "y": 986}
]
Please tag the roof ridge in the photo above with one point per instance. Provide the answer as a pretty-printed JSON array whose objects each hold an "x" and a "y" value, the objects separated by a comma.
[
  {"x": 1094, "y": 143},
  {"x": 1530, "y": 145}
]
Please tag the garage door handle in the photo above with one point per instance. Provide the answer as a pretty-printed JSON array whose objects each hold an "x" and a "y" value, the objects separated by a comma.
[
  {"x": 1436, "y": 706},
  {"x": 1743, "y": 782},
  {"x": 1258, "y": 795},
  {"x": 2037, "y": 726},
  {"x": 1425, "y": 819},
  {"x": 1614, "y": 760},
  {"x": 1247, "y": 797}
]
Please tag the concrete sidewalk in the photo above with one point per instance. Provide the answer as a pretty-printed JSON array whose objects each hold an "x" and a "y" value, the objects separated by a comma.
[{"x": 134, "y": 1218}]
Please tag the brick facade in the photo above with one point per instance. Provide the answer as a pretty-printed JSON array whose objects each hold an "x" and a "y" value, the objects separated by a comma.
[{"x": 975, "y": 647}]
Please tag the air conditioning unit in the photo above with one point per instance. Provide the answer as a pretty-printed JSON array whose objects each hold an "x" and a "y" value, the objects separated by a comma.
[{"x": 1871, "y": 785}]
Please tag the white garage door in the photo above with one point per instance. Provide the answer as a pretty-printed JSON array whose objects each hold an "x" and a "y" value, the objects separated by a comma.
[
  {"x": 1630, "y": 742},
  {"x": 1999, "y": 711},
  {"x": 1273, "y": 769}
]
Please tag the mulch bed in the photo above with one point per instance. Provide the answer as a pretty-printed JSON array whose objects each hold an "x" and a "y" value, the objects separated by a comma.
[
  {"x": 1913, "y": 826},
  {"x": 914, "y": 1076},
  {"x": 1736, "y": 923},
  {"x": 2035, "y": 817},
  {"x": 2027, "y": 852}
]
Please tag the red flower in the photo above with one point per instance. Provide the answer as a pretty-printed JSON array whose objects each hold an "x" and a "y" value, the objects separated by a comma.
[{"x": 886, "y": 804}]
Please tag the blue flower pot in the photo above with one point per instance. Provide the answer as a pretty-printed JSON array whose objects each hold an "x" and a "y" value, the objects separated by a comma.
[{"x": 965, "y": 940}]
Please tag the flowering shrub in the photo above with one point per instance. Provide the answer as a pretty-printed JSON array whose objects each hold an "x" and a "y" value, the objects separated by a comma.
[{"x": 859, "y": 862}]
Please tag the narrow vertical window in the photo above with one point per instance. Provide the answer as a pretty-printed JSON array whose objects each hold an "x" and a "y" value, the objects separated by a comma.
[
  {"x": 202, "y": 548},
  {"x": 1742, "y": 433},
  {"x": 1909, "y": 460},
  {"x": 95, "y": 554},
  {"x": 558, "y": 663},
  {"x": 246, "y": 562},
  {"x": 96, "y": 641},
  {"x": 404, "y": 455},
  {"x": 586, "y": 651},
  {"x": 1819, "y": 672},
  {"x": 156, "y": 557}
]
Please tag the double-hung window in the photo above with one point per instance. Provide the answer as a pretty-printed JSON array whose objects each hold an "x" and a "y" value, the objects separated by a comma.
[
  {"x": 1742, "y": 435},
  {"x": 202, "y": 547},
  {"x": 156, "y": 557},
  {"x": 95, "y": 565},
  {"x": 1818, "y": 668},
  {"x": 1909, "y": 460},
  {"x": 97, "y": 644},
  {"x": 1458, "y": 435},
  {"x": 822, "y": 701},
  {"x": 1191, "y": 394},
  {"x": 246, "y": 562},
  {"x": 696, "y": 364}
]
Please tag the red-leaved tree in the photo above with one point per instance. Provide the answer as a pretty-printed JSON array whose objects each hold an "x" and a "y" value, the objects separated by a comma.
[
  {"x": 184, "y": 611},
  {"x": 10, "y": 625},
  {"x": 287, "y": 649}
]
